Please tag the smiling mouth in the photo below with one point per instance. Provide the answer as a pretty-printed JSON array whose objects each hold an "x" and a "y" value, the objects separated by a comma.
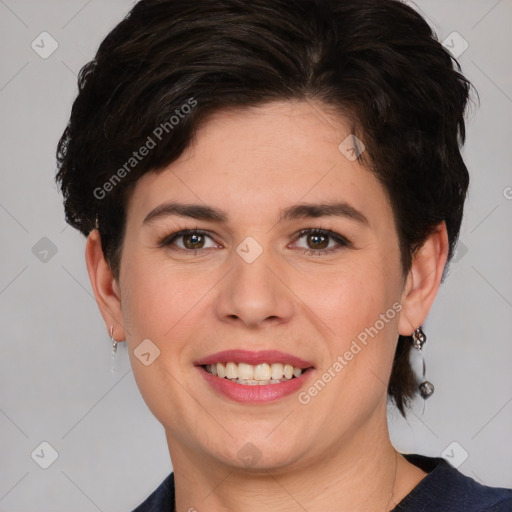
[{"x": 254, "y": 375}]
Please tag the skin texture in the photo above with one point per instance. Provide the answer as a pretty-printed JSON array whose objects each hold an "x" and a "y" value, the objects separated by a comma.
[{"x": 335, "y": 452}]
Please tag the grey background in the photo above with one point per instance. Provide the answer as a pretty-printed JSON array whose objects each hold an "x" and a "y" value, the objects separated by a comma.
[{"x": 55, "y": 378}]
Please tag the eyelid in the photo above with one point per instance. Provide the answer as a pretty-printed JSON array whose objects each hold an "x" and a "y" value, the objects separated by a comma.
[
  {"x": 169, "y": 239},
  {"x": 342, "y": 241}
]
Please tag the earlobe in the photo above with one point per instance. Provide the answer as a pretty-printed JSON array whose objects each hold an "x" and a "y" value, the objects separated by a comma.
[
  {"x": 423, "y": 280},
  {"x": 104, "y": 285}
]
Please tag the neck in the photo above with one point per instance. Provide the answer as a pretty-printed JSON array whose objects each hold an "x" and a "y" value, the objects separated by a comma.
[{"x": 362, "y": 474}]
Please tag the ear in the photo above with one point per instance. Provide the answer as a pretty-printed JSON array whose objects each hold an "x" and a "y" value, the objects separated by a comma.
[
  {"x": 106, "y": 289},
  {"x": 423, "y": 280}
]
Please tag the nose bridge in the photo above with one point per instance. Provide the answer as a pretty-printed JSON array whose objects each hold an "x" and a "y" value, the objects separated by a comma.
[{"x": 251, "y": 293}]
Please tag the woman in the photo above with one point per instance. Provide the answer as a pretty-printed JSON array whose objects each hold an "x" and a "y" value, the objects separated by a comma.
[{"x": 271, "y": 192}]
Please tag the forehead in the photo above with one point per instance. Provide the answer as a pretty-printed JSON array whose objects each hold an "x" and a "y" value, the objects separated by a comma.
[{"x": 255, "y": 162}]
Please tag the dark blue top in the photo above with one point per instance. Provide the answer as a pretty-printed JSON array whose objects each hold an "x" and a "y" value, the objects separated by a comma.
[{"x": 444, "y": 489}]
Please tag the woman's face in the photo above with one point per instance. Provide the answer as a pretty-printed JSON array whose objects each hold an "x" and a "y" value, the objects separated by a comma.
[{"x": 251, "y": 282}]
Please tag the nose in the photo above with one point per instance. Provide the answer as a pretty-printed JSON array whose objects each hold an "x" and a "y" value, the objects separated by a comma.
[{"x": 254, "y": 294}]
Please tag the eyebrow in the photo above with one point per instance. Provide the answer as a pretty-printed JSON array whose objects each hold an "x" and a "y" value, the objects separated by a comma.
[{"x": 298, "y": 211}]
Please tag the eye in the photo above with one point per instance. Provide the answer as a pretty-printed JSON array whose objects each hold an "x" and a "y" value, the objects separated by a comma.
[
  {"x": 318, "y": 241},
  {"x": 190, "y": 239}
]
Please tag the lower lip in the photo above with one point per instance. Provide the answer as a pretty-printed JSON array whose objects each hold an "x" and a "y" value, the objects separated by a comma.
[{"x": 255, "y": 394}]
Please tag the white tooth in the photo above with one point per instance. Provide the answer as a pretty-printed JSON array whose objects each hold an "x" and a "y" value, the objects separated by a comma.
[
  {"x": 253, "y": 375},
  {"x": 256, "y": 382},
  {"x": 247, "y": 382},
  {"x": 221, "y": 370},
  {"x": 288, "y": 371},
  {"x": 276, "y": 370},
  {"x": 231, "y": 371},
  {"x": 262, "y": 372},
  {"x": 245, "y": 371}
]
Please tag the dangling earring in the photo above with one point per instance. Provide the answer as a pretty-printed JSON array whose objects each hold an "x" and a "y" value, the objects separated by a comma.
[
  {"x": 418, "y": 339},
  {"x": 113, "y": 359}
]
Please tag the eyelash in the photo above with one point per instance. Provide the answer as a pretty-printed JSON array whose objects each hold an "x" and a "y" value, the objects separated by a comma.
[{"x": 342, "y": 242}]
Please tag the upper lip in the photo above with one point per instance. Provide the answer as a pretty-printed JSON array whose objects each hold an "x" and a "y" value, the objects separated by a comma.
[{"x": 253, "y": 358}]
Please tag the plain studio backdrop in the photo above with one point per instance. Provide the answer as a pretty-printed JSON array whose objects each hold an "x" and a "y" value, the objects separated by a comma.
[{"x": 102, "y": 447}]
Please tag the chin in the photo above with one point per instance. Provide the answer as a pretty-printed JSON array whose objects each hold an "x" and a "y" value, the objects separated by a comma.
[{"x": 259, "y": 456}]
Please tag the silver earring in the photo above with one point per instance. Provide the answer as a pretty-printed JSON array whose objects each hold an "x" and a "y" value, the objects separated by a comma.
[
  {"x": 113, "y": 359},
  {"x": 418, "y": 340}
]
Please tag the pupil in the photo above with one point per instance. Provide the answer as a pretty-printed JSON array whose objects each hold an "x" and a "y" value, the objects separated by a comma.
[
  {"x": 316, "y": 238},
  {"x": 195, "y": 240}
]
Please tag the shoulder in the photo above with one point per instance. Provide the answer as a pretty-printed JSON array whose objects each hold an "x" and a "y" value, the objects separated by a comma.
[
  {"x": 446, "y": 489},
  {"x": 162, "y": 498}
]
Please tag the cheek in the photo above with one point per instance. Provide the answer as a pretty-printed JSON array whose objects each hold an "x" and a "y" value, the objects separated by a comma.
[
  {"x": 352, "y": 297},
  {"x": 158, "y": 305},
  {"x": 358, "y": 303},
  {"x": 359, "y": 306},
  {"x": 157, "y": 298}
]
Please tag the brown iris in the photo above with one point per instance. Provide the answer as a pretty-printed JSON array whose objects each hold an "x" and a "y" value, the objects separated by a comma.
[
  {"x": 320, "y": 241},
  {"x": 193, "y": 240}
]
